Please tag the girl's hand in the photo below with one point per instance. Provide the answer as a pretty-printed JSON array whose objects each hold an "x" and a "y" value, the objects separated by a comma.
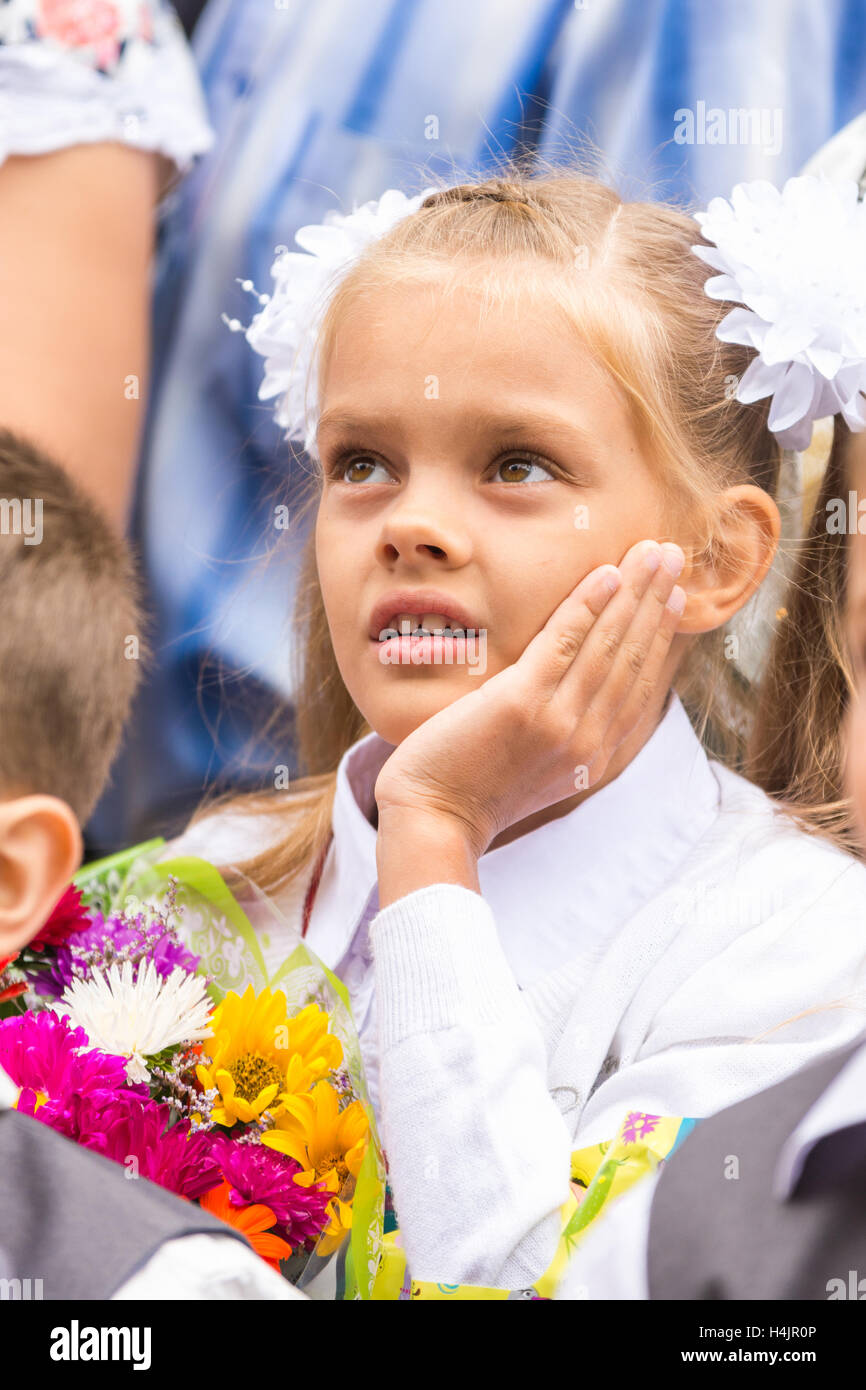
[{"x": 541, "y": 729}]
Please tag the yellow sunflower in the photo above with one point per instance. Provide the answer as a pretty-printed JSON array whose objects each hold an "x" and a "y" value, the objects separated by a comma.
[
  {"x": 328, "y": 1143},
  {"x": 337, "y": 1229},
  {"x": 259, "y": 1054}
]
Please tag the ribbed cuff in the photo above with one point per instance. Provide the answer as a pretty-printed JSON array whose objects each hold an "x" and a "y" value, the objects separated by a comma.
[{"x": 438, "y": 963}]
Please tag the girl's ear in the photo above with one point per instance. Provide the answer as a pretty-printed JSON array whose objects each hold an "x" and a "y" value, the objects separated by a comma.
[
  {"x": 40, "y": 849},
  {"x": 747, "y": 537}
]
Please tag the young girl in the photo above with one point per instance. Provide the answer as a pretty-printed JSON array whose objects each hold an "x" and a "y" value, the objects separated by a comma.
[{"x": 549, "y": 903}]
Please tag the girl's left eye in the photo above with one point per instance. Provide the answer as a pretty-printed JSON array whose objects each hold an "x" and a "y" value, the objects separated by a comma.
[{"x": 527, "y": 463}]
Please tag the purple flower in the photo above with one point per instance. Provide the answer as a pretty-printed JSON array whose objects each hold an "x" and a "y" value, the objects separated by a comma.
[
  {"x": 44, "y": 1056},
  {"x": 258, "y": 1174},
  {"x": 638, "y": 1126},
  {"x": 111, "y": 939}
]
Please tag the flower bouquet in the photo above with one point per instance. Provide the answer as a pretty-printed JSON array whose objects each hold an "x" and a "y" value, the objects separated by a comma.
[{"x": 142, "y": 1023}]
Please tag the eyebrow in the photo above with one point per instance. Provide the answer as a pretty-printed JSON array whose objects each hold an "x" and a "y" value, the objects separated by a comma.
[{"x": 510, "y": 422}]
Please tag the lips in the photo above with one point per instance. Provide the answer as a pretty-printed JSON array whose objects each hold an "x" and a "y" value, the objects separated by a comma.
[{"x": 418, "y": 602}]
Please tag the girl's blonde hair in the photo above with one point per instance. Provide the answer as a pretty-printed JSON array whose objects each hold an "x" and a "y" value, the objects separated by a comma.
[{"x": 625, "y": 277}]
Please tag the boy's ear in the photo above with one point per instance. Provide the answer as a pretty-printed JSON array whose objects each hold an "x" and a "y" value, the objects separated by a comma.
[
  {"x": 40, "y": 850},
  {"x": 748, "y": 531}
]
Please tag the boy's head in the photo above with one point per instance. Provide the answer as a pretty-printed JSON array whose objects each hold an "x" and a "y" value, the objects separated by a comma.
[{"x": 69, "y": 643}]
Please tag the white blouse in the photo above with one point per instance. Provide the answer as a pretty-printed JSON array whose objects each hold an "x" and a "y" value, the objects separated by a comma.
[{"x": 613, "y": 859}]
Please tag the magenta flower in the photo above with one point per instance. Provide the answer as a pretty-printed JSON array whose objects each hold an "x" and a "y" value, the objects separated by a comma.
[
  {"x": 134, "y": 1131},
  {"x": 638, "y": 1126},
  {"x": 258, "y": 1174},
  {"x": 183, "y": 1161},
  {"x": 43, "y": 1056}
]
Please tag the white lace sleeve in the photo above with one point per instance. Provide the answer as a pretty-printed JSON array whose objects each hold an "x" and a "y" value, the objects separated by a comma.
[{"x": 80, "y": 71}]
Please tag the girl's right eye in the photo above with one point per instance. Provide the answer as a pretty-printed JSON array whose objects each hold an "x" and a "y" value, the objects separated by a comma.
[{"x": 344, "y": 466}]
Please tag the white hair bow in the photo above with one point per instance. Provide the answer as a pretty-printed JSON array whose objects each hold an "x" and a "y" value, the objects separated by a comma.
[
  {"x": 286, "y": 329},
  {"x": 796, "y": 262}
]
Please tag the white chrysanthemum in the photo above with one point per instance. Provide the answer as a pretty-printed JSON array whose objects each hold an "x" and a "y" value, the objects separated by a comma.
[
  {"x": 797, "y": 261},
  {"x": 285, "y": 331},
  {"x": 136, "y": 1018}
]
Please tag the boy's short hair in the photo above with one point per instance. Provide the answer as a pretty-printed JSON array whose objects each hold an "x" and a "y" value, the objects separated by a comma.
[{"x": 70, "y": 632}]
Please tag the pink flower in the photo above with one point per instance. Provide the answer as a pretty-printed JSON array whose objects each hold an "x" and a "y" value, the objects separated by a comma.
[
  {"x": 82, "y": 24},
  {"x": 145, "y": 24},
  {"x": 132, "y": 1130},
  {"x": 638, "y": 1125},
  {"x": 256, "y": 1174},
  {"x": 43, "y": 1056}
]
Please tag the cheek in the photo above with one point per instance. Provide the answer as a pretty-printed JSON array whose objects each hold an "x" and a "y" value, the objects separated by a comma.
[
  {"x": 339, "y": 574},
  {"x": 856, "y": 761},
  {"x": 528, "y": 595},
  {"x": 600, "y": 531},
  {"x": 605, "y": 529}
]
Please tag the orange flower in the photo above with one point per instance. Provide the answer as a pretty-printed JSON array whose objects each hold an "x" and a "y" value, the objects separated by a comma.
[{"x": 253, "y": 1222}]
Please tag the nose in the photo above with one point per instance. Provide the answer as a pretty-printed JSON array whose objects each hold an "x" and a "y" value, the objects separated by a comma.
[{"x": 416, "y": 530}]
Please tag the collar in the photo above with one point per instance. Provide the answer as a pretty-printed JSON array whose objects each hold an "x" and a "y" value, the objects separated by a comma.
[
  {"x": 578, "y": 878},
  {"x": 837, "y": 1121},
  {"x": 8, "y": 1091}
]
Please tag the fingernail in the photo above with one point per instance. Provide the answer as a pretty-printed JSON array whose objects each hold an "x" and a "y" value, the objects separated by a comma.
[
  {"x": 610, "y": 582},
  {"x": 677, "y": 601},
  {"x": 673, "y": 558},
  {"x": 652, "y": 559}
]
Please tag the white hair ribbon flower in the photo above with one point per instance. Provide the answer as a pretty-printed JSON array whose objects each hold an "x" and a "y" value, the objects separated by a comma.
[
  {"x": 285, "y": 330},
  {"x": 796, "y": 263}
]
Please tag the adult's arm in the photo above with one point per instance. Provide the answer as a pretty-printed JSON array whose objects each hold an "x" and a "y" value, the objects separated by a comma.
[
  {"x": 76, "y": 238},
  {"x": 97, "y": 112}
]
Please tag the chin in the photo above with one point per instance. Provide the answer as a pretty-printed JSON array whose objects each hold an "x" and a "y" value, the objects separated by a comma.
[{"x": 405, "y": 711}]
